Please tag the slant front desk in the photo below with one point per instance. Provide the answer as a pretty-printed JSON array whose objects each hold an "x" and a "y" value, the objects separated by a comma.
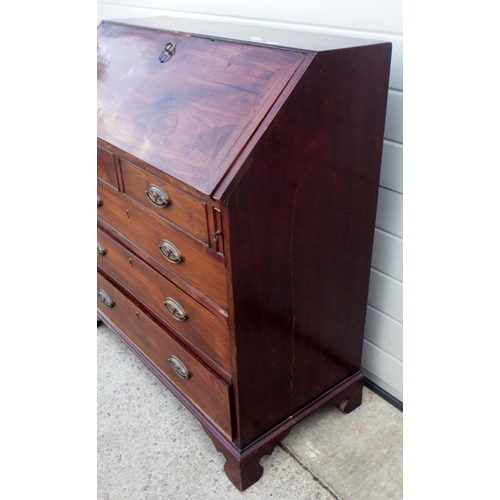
[{"x": 238, "y": 171}]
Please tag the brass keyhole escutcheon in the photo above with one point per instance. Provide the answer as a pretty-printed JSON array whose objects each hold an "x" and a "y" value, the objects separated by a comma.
[
  {"x": 130, "y": 263},
  {"x": 127, "y": 213}
]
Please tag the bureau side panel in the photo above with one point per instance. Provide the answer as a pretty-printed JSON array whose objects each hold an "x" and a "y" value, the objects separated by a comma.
[{"x": 301, "y": 221}]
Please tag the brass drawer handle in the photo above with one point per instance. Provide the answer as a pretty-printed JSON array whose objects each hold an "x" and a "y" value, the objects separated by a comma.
[
  {"x": 105, "y": 298},
  {"x": 170, "y": 252},
  {"x": 167, "y": 52},
  {"x": 157, "y": 196},
  {"x": 178, "y": 367},
  {"x": 101, "y": 250},
  {"x": 175, "y": 309},
  {"x": 99, "y": 202}
]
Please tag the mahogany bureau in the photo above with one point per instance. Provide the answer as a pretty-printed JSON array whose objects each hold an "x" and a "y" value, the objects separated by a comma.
[{"x": 238, "y": 171}]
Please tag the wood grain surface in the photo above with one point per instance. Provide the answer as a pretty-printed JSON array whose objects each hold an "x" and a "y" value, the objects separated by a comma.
[
  {"x": 272, "y": 158},
  {"x": 202, "y": 330},
  {"x": 183, "y": 210},
  {"x": 300, "y": 269},
  {"x": 203, "y": 389},
  {"x": 191, "y": 115},
  {"x": 200, "y": 265}
]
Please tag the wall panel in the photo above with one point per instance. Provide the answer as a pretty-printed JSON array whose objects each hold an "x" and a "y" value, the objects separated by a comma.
[
  {"x": 386, "y": 295},
  {"x": 390, "y": 212},
  {"x": 391, "y": 175},
  {"x": 388, "y": 254}
]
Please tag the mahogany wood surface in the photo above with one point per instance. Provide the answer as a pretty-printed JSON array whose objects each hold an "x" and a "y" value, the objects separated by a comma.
[
  {"x": 120, "y": 155},
  {"x": 203, "y": 389},
  {"x": 164, "y": 271},
  {"x": 242, "y": 466},
  {"x": 271, "y": 156},
  {"x": 182, "y": 210},
  {"x": 200, "y": 266},
  {"x": 106, "y": 167},
  {"x": 192, "y": 114},
  {"x": 202, "y": 330},
  {"x": 307, "y": 203}
]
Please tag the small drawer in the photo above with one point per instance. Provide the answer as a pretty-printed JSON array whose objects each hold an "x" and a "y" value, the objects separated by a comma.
[
  {"x": 165, "y": 200},
  {"x": 202, "y": 388},
  {"x": 106, "y": 167},
  {"x": 198, "y": 327},
  {"x": 168, "y": 247}
]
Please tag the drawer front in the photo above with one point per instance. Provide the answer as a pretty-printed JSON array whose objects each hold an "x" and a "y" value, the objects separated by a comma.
[
  {"x": 165, "y": 200},
  {"x": 202, "y": 388},
  {"x": 148, "y": 232},
  {"x": 106, "y": 167},
  {"x": 196, "y": 325}
]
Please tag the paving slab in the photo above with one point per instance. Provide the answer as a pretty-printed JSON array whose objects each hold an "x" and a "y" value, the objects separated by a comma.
[
  {"x": 150, "y": 447},
  {"x": 357, "y": 456}
]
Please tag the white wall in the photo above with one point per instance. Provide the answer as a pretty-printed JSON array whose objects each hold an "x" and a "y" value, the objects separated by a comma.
[{"x": 383, "y": 349}]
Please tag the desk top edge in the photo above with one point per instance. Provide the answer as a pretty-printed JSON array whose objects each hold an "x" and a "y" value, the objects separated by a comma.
[{"x": 249, "y": 33}]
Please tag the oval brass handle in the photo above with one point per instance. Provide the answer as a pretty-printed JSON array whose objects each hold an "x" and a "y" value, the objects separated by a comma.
[
  {"x": 101, "y": 250},
  {"x": 157, "y": 196},
  {"x": 170, "y": 252},
  {"x": 178, "y": 367},
  {"x": 167, "y": 52},
  {"x": 105, "y": 298},
  {"x": 99, "y": 202},
  {"x": 175, "y": 309}
]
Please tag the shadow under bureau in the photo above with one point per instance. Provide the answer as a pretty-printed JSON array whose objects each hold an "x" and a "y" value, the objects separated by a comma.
[{"x": 237, "y": 184}]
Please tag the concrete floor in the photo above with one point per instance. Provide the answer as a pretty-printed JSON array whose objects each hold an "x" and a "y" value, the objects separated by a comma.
[{"x": 151, "y": 448}]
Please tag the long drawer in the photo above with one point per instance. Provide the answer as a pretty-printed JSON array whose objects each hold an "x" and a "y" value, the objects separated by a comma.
[
  {"x": 202, "y": 388},
  {"x": 201, "y": 329},
  {"x": 170, "y": 248}
]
